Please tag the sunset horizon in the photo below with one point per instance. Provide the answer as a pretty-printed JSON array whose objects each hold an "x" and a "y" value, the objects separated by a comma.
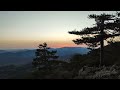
[
  {"x": 34, "y": 46},
  {"x": 28, "y": 29}
]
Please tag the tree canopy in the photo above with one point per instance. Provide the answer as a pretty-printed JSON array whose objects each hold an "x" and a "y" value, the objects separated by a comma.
[
  {"x": 106, "y": 26},
  {"x": 109, "y": 23},
  {"x": 43, "y": 55}
]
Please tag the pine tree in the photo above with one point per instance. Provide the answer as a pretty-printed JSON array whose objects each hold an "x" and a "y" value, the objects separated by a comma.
[
  {"x": 43, "y": 56},
  {"x": 107, "y": 26}
]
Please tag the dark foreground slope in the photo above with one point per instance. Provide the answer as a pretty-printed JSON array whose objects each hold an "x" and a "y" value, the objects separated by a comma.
[
  {"x": 111, "y": 55},
  {"x": 15, "y": 72}
]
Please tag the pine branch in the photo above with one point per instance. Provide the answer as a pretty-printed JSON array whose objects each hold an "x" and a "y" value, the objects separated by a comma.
[
  {"x": 112, "y": 26},
  {"x": 111, "y": 35},
  {"x": 94, "y": 39},
  {"x": 92, "y": 30},
  {"x": 101, "y": 16}
]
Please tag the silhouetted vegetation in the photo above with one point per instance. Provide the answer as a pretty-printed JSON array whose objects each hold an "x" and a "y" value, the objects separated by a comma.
[
  {"x": 43, "y": 56},
  {"x": 107, "y": 26},
  {"x": 84, "y": 66}
]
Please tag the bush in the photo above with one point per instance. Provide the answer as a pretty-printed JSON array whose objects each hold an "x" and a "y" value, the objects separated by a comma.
[{"x": 111, "y": 72}]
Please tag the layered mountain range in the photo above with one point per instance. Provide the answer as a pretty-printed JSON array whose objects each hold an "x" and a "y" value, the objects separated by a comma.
[{"x": 24, "y": 56}]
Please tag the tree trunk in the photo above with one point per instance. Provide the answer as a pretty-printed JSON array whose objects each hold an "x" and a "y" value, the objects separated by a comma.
[
  {"x": 101, "y": 52},
  {"x": 102, "y": 44}
]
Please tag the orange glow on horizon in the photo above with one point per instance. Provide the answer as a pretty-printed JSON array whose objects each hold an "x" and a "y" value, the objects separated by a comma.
[
  {"x": 34, "y": 44},
  {"x": 66, "y": 45}
]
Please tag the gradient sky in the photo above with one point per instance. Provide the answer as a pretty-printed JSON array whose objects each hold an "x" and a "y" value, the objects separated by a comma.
[{"x": 27, "y": 29}]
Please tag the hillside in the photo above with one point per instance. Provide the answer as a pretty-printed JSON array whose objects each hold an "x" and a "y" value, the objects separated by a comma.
[
  {"x": 15, "y": 71},
  {"x": 111, "y": 55}
]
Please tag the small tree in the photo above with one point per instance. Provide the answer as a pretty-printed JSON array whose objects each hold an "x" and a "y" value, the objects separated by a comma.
[
  {"x": 43, "y": 55},
  {"x": 107, "y": 26}
]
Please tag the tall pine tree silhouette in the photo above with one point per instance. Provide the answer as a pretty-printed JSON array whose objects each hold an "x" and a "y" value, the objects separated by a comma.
[
  {"x": 43, "y": 55},
  {"x": 107, "y": 26}
]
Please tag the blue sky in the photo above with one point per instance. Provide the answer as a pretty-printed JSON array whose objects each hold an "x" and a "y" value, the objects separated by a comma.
[{"x": 26, "y": 29}]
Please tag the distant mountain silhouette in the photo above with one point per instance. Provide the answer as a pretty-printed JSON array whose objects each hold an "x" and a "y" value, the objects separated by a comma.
[
  {"x": 67, "y": 52},
  {"x": 16, "y": 57},
  {"x": 26, "y": 56}
]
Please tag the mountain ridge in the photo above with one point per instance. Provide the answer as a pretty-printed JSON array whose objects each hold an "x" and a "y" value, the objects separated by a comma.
[{"x": 25, "y": 55}]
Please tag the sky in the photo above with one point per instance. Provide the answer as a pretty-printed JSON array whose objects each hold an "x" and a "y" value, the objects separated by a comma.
[{"x": 28, "y": 29}]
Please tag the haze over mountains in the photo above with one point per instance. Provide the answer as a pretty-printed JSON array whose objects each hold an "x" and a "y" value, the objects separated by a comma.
[{"x": 25, "y": 56}]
